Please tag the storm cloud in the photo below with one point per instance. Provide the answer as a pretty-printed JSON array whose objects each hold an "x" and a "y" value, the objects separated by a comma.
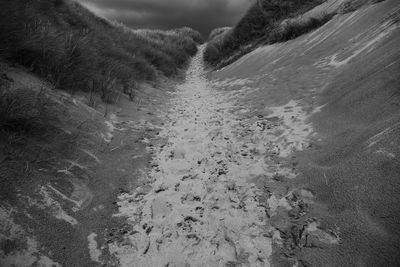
[{"x": 202, "y": 15}]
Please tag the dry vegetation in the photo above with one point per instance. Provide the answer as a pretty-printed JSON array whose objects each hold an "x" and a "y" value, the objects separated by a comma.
[
  {"x": 73, "y": 49},
  {"x": 262, "y": 24}
]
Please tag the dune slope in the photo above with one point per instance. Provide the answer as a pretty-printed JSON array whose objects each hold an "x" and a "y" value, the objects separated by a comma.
[{"x": 349, "y": 69}]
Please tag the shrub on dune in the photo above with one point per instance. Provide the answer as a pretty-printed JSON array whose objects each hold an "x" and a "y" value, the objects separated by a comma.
[{"x": 294, "y": 28}]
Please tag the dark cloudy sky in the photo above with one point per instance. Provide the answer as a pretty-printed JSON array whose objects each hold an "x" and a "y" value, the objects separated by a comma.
[{"x": 203, "y": 15}]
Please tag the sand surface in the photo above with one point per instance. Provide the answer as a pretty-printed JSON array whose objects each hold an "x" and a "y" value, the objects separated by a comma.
[{"x": 203, "y": 208}]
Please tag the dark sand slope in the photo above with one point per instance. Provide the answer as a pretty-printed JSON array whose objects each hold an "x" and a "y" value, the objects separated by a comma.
[{"x": 350, "y": 68}]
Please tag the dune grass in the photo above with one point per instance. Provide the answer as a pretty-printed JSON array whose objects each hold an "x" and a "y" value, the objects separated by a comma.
[
  {"x": 352, "y": 5},
  {"x": 294, "y": 28},
  {"x": 262, "y": 24},
  {"x": 218, "y": 32},
  {"x": 75, "y": 50},
  {"x": 26, "y": 111}
]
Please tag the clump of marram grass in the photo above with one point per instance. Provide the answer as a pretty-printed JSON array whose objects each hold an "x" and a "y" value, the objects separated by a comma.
[
  {"x": 296, "y": 27},
  {"x": 352, "y": 5},
  {"x": 73, "y": 49}
]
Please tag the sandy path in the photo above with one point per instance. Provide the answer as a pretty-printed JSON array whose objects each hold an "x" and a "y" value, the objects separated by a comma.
[
  {"x": 204, "y": 208},
  {"x": 201, "y": 210}
]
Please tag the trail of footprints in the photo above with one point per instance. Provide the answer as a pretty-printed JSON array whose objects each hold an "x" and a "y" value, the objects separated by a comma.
[{"x": 203, "y": 210}]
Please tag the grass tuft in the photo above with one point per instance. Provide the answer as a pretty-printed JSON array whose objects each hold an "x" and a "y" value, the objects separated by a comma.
[
  {"x": 352, "y": 5},
  {"x": 22, "y": 110},
  {"x": 294, "y": 28}
]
